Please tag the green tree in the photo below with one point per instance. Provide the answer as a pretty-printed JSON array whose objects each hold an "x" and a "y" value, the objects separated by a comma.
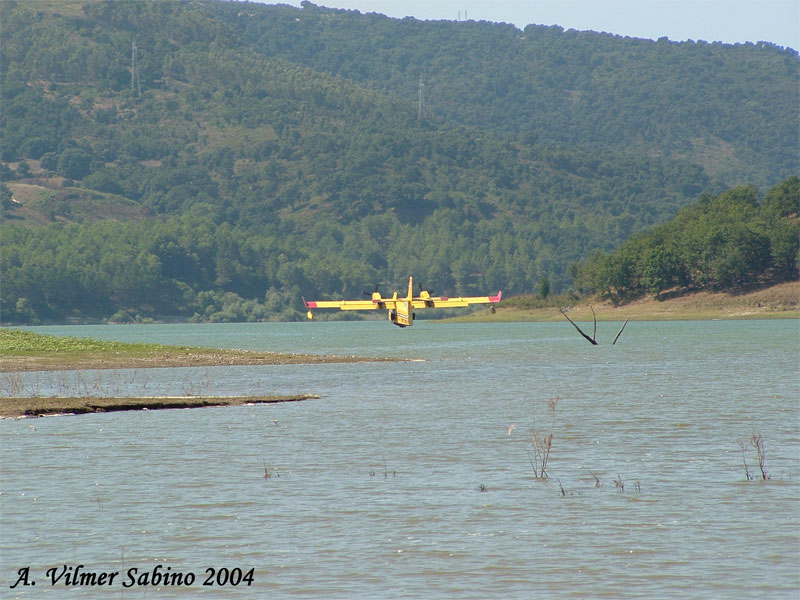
[
  {"x": 785, "y": 246},
  {"x": 544, "y": 287},
  {"x": 783, "y": 200},
  {"x": 49, "y": 161},
  {"x": 660, "y": 269},
  {"x": 6, "y": 197},
  {"x": 74, "y": 163}
]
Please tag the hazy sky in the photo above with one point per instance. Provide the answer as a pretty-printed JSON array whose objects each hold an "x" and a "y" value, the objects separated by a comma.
[{"x": 730, "y": 21}]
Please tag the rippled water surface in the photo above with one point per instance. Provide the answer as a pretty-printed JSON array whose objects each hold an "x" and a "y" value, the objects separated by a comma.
[{"x": 415, "y": 479}]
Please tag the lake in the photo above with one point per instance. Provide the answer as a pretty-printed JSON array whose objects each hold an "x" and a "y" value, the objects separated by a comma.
[{"x": 416, "y": 479}]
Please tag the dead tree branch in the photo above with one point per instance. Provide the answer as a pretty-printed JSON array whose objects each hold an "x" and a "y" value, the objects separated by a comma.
[
  {"x": 620, "y": 332},
  {"x": 591, "y": 340}
]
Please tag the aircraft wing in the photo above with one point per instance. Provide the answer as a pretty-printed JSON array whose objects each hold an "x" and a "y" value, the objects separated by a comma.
[
  {"x": 345, "y": 304},
  {"x": 445, "y": 302}
]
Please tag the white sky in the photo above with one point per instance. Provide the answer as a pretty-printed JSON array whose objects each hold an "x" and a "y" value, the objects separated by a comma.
[{"x": 729, "y": 21}]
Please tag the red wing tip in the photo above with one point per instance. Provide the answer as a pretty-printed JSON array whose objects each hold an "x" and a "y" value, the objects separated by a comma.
[
  {"x": 309, "y": 304},
  {"x": 496, "y": 298}
]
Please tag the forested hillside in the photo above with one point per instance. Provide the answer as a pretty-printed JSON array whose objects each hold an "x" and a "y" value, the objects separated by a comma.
[
  {"x": 734, "y": 240},
  {"x": 729, "y": 108},
  {"x": 216, "y": 160}
]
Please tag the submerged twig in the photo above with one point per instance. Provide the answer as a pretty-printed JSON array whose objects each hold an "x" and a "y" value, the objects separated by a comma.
[
  {"x": 743, "y": 446},
  {"x": 758, "y": 442},
  {"x": 596, "y": 479},
  {"x": 268, "y": 471}
]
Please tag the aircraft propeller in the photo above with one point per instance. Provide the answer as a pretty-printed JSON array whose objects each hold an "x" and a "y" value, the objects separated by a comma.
[{"x": 376, "y": 291}]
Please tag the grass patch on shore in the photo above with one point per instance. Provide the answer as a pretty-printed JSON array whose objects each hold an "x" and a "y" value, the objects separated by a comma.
[
  {"x": 22, "y": 350},
  {"x": 17, "y": 342}
]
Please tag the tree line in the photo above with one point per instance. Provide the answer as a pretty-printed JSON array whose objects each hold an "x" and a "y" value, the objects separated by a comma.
[
  {"x": 189, "y": 267},
  {"x": 735, "y": 239}
]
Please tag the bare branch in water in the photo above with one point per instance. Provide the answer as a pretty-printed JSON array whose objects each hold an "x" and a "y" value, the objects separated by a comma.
[
  {"x": 591, "y": 340},
  {"x": 620, "y": 332}
]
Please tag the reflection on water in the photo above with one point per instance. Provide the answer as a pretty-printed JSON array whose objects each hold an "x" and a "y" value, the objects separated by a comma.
[{"x": 408, "y": 480}]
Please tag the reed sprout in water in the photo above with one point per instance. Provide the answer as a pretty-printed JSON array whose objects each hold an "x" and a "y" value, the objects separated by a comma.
[
  {"x": 88, "y": 383},
  {"x": 543, "y": 443},
  {"x": 756, "y": 441},
  {"x": 270, "y": 472}
]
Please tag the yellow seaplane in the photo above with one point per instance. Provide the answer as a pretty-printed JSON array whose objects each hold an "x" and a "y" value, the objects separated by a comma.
[{"x": 401, "y": 310}]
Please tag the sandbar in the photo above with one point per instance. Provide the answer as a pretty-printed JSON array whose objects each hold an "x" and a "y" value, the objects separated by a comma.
[{"x": 44, "y": 406}]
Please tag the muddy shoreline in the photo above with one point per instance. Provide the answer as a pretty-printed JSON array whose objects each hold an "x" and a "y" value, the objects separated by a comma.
[
  {"x": 42, "y": 406},
  {"x": 781, "y": 301}
]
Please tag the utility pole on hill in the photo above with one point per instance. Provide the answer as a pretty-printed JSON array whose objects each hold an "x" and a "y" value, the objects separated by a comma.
[
  {"x": 136, "y": 84},
  {"x": 419, "y": 106}
]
